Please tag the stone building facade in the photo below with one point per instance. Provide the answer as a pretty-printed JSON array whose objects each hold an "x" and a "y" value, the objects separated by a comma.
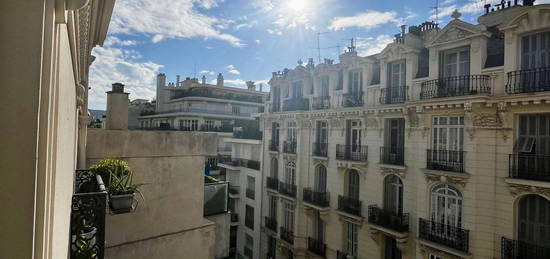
[{"x": 436, "y": 147}]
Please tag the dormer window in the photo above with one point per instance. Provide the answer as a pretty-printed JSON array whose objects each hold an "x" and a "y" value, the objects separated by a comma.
[
  {"x": 535, "y": 50},
  {"x": 423, "y": 63},
  {"x": 375, "y": 73},
  {"x": 355, "y": 81},
  {"x": 455, "y": 62},
  {"x": 297, "y": 90},
  {"x": 495, "y": 51}
]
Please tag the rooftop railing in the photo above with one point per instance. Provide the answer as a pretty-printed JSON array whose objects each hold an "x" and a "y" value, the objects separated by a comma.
[
  {"x": 447, "y": 235},
  {"x": 528, "y": 80},
  {"x": 455, "y": 86}
]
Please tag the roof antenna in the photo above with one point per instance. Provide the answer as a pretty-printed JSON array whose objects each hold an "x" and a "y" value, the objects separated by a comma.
[
  {"x": 319, "y": 45},
  {"x": 436, "y": 7}
]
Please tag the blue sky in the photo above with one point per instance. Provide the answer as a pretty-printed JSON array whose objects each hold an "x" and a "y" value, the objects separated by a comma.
[{"x": 245, "y": 39}]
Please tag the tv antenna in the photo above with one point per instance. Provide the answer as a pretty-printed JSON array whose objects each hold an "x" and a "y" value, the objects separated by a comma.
[
  {"x": 436, "y": 7},
  {"x": 319, "y": 44}
]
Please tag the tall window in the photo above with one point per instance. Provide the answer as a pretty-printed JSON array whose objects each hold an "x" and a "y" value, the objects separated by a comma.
[
  {"x": 324, "y": 86},
  {"x": 321, "y": 178},
  {"x": 272, "y": 207},
  {"x": 192, "y": 125},
  {"x": 396, "y": 73},
  {"x": 446, "y": 207},
  {"x": 355, "y": 81},
  {"x": 353, "y": 184},
  {"x": 393, "y": 194},
  {"x": 353, "y": 137},
  {"x": 291, "y": 132},
  {"x": 274, "y": 168},
  {"x": 375, "y": 73},
  {"x": 394, "y": 141},
  {"x": 236, "y": 110},
  {"x": 351, "y": 238},
  {"x": 250, "y": 187},
  {"x": 448, "y": 133},
  {"x": 391, "y": 251},
  {"x": 456, "y": 62},
  {"x": 534, "y": 220},
  {"x": 290, "y": 175},
  {"x": 340, "y": 80},
  {"x": 297, "y": 91},
  {"x": 275, "y": 133},
  {"x": 249, "y": 217},
  {"x": 319, "y": 228},
  {"x": 288, "y": 216},
  {"x": 322, "y": 132},
  {"x": 534, "y": 134},
  {"x": 535, "y": 50}
]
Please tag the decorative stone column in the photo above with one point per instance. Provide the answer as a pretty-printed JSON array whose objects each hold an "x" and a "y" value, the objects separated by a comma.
[{"x": 83, "y": 122}]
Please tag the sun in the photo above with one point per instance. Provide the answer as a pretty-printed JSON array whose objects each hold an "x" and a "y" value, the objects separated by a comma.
[{"x": 297, "y": 5}]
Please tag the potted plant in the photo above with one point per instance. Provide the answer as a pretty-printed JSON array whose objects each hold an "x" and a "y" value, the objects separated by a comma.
[{"x": 120, "y": 187}]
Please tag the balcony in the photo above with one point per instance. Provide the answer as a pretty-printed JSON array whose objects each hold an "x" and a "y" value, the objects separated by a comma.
[
  {"x": 321, "y": 199},
  {"x": 528, "y": 81},
  {"x": 320, "y": 149},
  {"x": 234, "y": 217},
  {"x": 296, "y": 104},
  {"x": 271, "y": 224},
  {"x": 393, "y": 95},
  {"x": 447, "y": 235},
  {"x": 274, "y": 146},
  {"x": 344, "y": 255},
  {"x": 88, "y": 216},
  {"x": 445, "y": 160},
  {"x": 228, "y": 160},
  {"x": 289, "y": 147},
  {"x": 287, "y": 235},
  {"x": 272, "y": 183},
  {"x": 316, "y": 246},
  {"x": 351, "y": 152},
  {"x": 352, "y": 100},
  {"x": 529, "y": 167},
  {"x": 250, "y": 193},
  {"x": 320, "y": 103},
  {"x": 349, "y": 205},
  {"x": 515, "y": 249},
  {"x": 287, "y": 189},
  {"x": 455, "y": 86},
  {"x": 248, "y": 252},
  {"x": 388, "y": 219},
  {"x": 392, "y": 156},
  {"x": 234, "y": 190}
]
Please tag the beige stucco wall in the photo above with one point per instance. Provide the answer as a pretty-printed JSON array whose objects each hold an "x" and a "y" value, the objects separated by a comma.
[
  {"x": 169, "y": 223},
  {"x": 222, "y": 229}
]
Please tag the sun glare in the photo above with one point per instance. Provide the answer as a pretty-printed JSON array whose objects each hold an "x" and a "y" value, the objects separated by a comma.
[{"x": 297, "y": 5}]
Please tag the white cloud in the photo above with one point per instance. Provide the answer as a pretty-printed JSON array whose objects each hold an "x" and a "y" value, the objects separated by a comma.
[
  {"x": 114, "y": 41},
  {"x": 207, "y": 72},
  {"x": 370, "y": 45},
  {"x": 368, "y": 20},
  {"x": 232, "y": 70},
  {"x": 116, "y": 65},
  {"x": 258, "y": 41},
  {"x": 242, "y": 25},
  {"x": 163, "y": 19},
  {"x": 265, "y": 5},
  {"x": 275, "y": 32}
]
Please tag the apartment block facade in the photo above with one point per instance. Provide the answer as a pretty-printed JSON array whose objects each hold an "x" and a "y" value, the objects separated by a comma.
[{"x": 437, "y": 147}]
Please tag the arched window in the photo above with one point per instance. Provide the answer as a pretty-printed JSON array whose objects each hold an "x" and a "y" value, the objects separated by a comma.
[
  {"x": 534, "y": 220},
  {"x": 321, "y": 178},
  {"x": 353, "y": 184},
  {"x": 393, "y": 194},
  {"x": 290, "y": 176},
  {"x": 274, "y": 168},
  {"x": 446, "y": 205}
]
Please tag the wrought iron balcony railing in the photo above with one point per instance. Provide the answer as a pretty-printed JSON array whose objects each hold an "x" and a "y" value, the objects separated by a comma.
[
  {"x": 321, "y": 199},
  {"x": 316, "y": 246},
  {"x": 273, "y": 145},
  {"x": 272, "y": 183},
  {"x": 394, "y": 94},
  {"x": 344, "y": 255},
  {"x": 447, "y": 235},
  {"x": 392, "y": 155},
  {"x": 289, "y": 147},
  {"x": 234, "y": 217},
  {"x": 287, "y": 235},
  {"x": 351, "y": 152},
  {"x": 320, "y": 149},
  {"x": 233, "y": 189},
  {"x": 228, "y": 160},
  {"x": 320, "y": 103},
  {"x": 529, "y": 166},
  {"x": 515, "y": 249},
  {"x": 250, "y": 193},
  {"x": 446, "y": 160},
  {"x": 287, "y": 189},
  {"x": 271, "y": 223},
  {"x": 528, "y": 80},
  {"x": 352, "y": 99},
  {"x": 349, "y": 205},
  {"x": 455, "y": 86},
  {"x": 389, "y": 219},
  {"x": 296, "y": 104},
  {"x": 88, "y": 216}
]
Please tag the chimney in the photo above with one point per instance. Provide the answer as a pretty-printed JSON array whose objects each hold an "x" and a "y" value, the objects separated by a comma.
[
  {"x": 177, "y": 80},
  {"x": 250, "y": 85},
  {"x": 203, "y": 79},
  {"x": 219, "y": 82},
  {"x": 117, "y": 108}
]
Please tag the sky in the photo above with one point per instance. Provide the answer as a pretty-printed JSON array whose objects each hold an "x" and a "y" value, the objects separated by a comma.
[{"x": 246, "y": 39}]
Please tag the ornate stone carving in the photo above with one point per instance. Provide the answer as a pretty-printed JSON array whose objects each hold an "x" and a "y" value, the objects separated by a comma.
[
  {"x": 519, "y": 189},
  {"x": 426, "y": 250},
  {"x": 445, "y": 178},
  {"x": 487, "y": 120},
  {"x": 390, "y": 170},
  {"x": 371, "y": 122},
  {"x": 375, "y": 235},
  {"x": 453, "y": 34}
]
